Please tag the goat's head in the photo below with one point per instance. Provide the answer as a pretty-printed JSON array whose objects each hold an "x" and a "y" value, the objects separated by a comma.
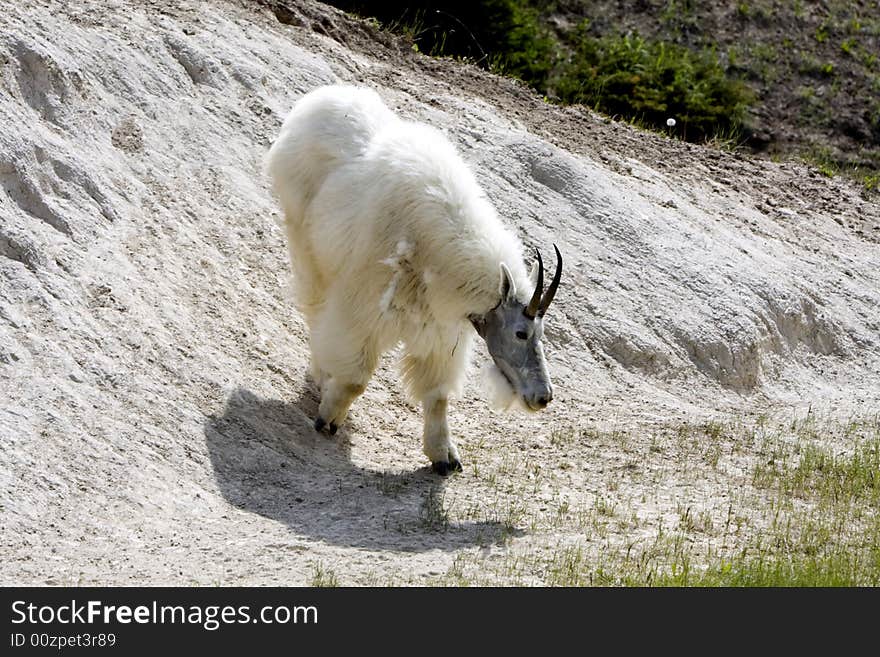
[{"x": 513, "y": 332}]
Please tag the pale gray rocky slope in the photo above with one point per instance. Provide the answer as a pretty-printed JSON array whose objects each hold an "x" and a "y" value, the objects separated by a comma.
[{"x": 155, "y": 420}]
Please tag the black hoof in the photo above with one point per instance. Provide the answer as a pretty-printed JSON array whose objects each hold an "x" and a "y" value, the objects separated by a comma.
[
  {"x": 444, "y": 468},
  {"x": 322, "y": 426}
]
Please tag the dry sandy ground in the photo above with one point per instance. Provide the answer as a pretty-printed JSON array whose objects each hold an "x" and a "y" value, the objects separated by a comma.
[{"x": 155, "y": 425}]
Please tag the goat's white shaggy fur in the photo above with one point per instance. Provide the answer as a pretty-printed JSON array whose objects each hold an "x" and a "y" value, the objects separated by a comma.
[
  {"x": 391, "y": 240},
  {"x": 501, "y": 395}
]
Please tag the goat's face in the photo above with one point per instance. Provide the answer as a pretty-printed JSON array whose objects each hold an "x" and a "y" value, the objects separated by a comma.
[{"x": 513, "y": 332}]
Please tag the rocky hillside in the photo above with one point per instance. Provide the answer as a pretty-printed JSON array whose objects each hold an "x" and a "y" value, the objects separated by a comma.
[{"x": 156, "y": 419}]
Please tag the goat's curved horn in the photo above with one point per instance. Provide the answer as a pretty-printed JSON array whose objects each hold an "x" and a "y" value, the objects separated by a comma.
[
  {"x": 533, "y": 308},
  {"x": 551, "y": 291}
]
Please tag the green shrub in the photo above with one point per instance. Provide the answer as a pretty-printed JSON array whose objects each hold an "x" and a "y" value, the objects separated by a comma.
[{"x": 651, "y": 81}]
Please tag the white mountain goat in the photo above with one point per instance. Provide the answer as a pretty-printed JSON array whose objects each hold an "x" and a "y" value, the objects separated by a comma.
[{"x": 392, "y": 241}]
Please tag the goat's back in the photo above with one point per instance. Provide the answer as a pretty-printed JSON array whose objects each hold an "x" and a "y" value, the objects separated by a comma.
[{"x": 326, "y": 128}]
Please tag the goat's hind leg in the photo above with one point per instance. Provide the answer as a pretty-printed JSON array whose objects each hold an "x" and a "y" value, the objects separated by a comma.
[
  {"x": 308, "y": 289},
  {"x": 336, "y": 398},
  {"x": 345, "y": 364}
]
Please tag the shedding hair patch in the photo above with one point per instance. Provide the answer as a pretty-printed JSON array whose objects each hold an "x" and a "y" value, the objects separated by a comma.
[
  {"x": 388, "y": 294},
  {"x": 396, "y": 262}
]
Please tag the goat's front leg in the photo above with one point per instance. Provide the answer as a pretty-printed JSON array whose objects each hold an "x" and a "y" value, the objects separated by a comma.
[
  {"x": 437, "y": 444},
  {"x": 433, "y": 370}
]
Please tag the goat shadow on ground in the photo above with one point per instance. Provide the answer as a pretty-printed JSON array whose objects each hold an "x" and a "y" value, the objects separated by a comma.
[{"x": 268, "y": 459}]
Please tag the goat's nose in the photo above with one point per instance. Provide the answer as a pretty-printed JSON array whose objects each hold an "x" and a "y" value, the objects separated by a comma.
[{"x": 543, "y": 400}]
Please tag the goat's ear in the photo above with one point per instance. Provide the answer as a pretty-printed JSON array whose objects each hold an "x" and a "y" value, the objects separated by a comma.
[
  {"x": 533, "y": 273},
  {"x": 507, "y": 288}
]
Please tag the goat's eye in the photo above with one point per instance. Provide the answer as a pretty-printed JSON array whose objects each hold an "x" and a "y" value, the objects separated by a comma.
[{"x": 522, "y": 335}]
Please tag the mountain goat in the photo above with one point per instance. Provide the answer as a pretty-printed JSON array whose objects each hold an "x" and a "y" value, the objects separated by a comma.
[{"x": 392, "y": 241}]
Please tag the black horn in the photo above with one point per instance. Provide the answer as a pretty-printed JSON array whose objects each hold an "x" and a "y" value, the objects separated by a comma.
[
  {"x": 551, "y": 291},
  {"x": 533, "y": 308}
]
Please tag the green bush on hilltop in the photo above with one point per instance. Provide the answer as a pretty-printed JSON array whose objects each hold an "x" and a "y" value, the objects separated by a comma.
[
  {"x": 623, "y": 75},
  {"x": 651, "y": 81}
]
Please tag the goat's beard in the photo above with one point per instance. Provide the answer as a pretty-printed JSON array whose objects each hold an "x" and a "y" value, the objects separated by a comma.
[{"x": 502, "y": 396}]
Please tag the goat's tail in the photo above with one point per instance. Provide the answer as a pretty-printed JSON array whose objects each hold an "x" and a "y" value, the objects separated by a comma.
[{"x": 327, "y": 128}]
